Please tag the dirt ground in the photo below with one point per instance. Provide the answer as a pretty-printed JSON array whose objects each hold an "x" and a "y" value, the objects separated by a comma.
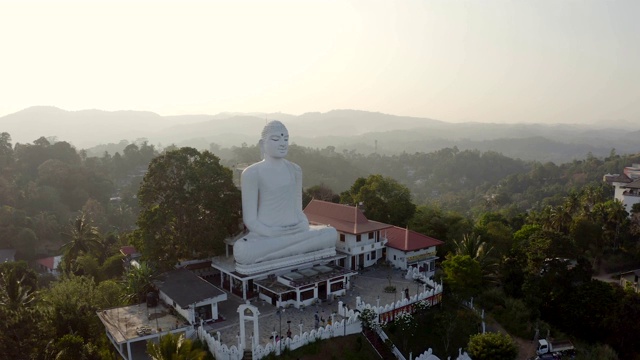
[{"x": 526, "y": 348}]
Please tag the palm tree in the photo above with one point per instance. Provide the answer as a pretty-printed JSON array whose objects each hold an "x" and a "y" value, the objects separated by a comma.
[
  {"x": 14, "y": 293},
  {"x": 617, "y": 219},
  {"x": 591, "y": 195},
  {"x": 480, "y": 251},
  {"x": 572, "y": 203},
  {"x": 83, "y": 238},
  {"x": 174, "y": 347},
  {"x": 561, "y": 218},
  {"x": 138, "y": 282}
]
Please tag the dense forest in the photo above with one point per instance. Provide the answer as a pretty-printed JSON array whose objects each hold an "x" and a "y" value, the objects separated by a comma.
[{"x": 510, "y": 228}]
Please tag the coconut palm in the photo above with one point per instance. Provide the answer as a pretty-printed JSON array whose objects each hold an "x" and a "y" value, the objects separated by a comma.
[
  {"x": 174, "y": 347},
  {"x": 561, "y": 218},
  {"x": 473, "y": 246},
  {"x": 15, "y": 293},
  {"x": 83, "y": 238}
]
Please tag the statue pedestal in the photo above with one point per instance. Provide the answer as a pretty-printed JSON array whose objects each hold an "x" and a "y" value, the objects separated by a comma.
[{"x": 266, "y": 266}]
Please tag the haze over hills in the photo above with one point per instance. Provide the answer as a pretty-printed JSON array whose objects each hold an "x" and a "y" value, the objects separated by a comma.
[{"x": 362, "y": 131}]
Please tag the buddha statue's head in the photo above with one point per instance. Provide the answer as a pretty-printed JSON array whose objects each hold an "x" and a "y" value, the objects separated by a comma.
[{"x": 274, "y": 142}]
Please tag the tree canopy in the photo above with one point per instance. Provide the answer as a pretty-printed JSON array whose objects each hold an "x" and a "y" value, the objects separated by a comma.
[
  {"x": 492, "y": 346},
  {"x": 383, "y": 199},
  {"x": 189, "y": 205}
]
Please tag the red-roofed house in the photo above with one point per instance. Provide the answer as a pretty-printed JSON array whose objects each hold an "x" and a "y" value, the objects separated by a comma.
[
  {"x": 129, "y": 251},
  {"x": 49, "y": 264},
  {"x": 407, "y": 248},
  {"x": 131, "y": 256},
  {"x": 362, "y": 240}
]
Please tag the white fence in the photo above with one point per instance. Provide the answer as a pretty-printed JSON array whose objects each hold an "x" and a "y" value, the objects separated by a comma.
[{"x": 350, "y": 325}]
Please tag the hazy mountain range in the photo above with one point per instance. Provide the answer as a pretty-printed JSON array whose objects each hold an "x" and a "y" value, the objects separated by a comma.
[{"x": 362, "y": 131}]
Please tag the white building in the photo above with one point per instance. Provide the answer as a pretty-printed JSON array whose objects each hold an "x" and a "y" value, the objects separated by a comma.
[
  {"x": 361, "y": 240},
  {"x": 366, "y": 241},
  {"x": 407, "y": 248},
  {"x": 627, "y": 186},
  {"x": 191, "y": 296}
]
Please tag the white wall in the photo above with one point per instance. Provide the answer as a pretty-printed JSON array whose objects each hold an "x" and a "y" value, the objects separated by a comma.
[{"x": 186, "y": 313}]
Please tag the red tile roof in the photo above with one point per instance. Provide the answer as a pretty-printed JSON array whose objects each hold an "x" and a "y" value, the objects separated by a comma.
[
  {"x": 409, "y": 240},
  {"x": 128, "y": 250},
  {"x": 345, "y": 218},
  {"x": 49, "y": 262},
  {"x": 46, "y": 262}
]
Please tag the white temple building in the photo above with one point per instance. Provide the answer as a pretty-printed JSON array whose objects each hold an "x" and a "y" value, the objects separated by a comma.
[
  {"x": 626, "y": 185},
  {"x": 360, "y": 243}
]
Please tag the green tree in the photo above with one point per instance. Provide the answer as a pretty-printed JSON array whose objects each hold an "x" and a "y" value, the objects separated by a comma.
[
  {"x": 24, "y": 328},
  {"x": 18, "y": 285},
  {"x": 368, "y": 318},
  {"x": 473, "y": 246},
  {"x": 597, "y": 352},
  {"x": 383, "y": 199},
  {"x": 24, "y": 332},
  {"x": 442, "y": 225},
  {"x": 319, "y": 192},
  {"x": 492, "y": 346},
  {"x": 73, "y": 303},
  {"x": 82, "y": 237},
  {"x": 463, "y": 275},
  {"x": 174, "y": 347},
  {"x": 138, "y": 282},
  {"x": 189, "y": 205},
  {"x": 407, "y": 325},
  {"x": 74, "y": 347}
]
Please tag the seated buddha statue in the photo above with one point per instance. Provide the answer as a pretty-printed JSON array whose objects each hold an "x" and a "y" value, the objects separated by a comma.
[{"x": 272, "y": 206}]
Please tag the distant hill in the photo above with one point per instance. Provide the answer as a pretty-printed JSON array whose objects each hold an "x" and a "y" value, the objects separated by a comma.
[{"x": 362, "y": 131}]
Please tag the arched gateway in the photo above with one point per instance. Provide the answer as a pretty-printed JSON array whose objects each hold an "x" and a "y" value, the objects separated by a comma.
[{"x": 251, "y": 313}]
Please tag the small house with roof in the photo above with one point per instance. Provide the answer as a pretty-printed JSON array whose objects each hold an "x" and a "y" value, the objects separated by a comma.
[
  {"x": 361, "y": 239},
  {"x": 131, "y": 256},
  {"x": 187, "y": 301},
  {"x": 626, "y": 185},
  {"x": 631, "y": 194},
  {"x": 407, "y": 249},
  {"x": 49, "y": 265},
  {"x": 630, "y": 279},
  {"x": 190, "y": 295}
]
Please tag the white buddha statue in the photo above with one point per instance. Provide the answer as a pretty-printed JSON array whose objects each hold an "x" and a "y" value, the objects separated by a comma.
[{"x": 272, "y": 206}]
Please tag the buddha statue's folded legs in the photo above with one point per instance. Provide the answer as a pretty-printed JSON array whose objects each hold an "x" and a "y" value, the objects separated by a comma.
[{"x": 252, "y": 249}]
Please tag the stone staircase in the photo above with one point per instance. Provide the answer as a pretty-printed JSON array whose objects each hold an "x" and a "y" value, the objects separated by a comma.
[{"x": 247, "y": 355}]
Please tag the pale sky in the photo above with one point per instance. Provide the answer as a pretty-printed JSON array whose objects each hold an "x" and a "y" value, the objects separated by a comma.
[{"x": 488, "y": 61}]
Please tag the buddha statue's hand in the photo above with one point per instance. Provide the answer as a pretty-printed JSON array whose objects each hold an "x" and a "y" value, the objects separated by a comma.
[
  {"x": 275, "y": 231},
  {"x": 296, "y": 228}
]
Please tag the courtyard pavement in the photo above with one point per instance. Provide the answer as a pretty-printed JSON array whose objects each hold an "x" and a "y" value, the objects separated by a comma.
[{"x": 369, "y": 284}]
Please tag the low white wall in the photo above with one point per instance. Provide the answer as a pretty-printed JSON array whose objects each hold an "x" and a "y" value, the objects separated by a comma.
[
  {"x": 221, "y": 351},
  {"x": 350, "y": 325}
]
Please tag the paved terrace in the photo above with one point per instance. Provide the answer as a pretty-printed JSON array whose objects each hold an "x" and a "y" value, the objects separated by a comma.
[
  {"x": 130, "y": 322},
  {"x": 369, "y": 285}
]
